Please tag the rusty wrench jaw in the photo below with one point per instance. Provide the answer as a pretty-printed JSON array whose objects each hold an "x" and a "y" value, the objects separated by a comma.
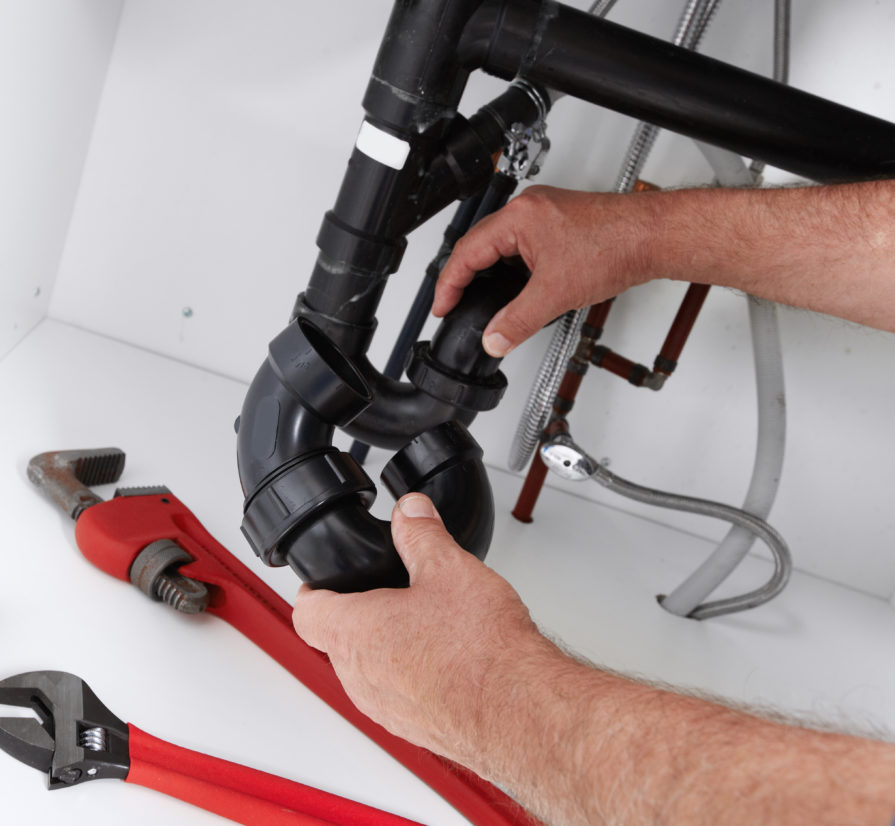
[
  {"x": 77, "y": 739},
  {"x": 66, "y": 476}
]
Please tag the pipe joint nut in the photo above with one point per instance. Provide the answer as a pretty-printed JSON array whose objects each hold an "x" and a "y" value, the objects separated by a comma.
[
  {"x": 471, "y": 393},
  {"x": 298, "y": 495}
]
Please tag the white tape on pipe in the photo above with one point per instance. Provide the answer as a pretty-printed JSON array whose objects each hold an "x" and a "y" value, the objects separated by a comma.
[{"x": 381, "y": 146}]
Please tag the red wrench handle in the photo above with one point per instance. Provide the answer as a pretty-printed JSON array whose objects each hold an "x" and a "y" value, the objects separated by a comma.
[{"x": 242, "y": 794}]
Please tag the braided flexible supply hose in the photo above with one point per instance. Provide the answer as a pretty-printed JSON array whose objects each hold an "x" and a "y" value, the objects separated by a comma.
[
  {"x": 747, "y": 523},
  {"x": 544, "y": 388},
  {"x": 686, "y": 600},
  {"x": 693, "y": 22},
  {"x": 563, "y": 456},
  {"x": 691, "y": 27}
]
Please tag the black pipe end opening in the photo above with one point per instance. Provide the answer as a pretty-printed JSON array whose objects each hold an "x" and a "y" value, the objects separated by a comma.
[{"x": 313, "y": 368}]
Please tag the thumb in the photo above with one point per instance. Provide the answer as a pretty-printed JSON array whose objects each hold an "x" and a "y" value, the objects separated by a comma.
[
  {"x": 419, "y": 534},
  {"x": 519, "y": 320}
]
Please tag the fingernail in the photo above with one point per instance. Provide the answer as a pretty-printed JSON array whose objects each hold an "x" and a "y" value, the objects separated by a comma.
[
  {"x": 496, "y": 345},
  {"x": 417, "y": 507}
]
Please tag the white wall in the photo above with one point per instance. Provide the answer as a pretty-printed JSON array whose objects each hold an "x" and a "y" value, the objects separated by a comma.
[
  {"x": 222, "y": 137},
  {"x": 53, "y": 60}
]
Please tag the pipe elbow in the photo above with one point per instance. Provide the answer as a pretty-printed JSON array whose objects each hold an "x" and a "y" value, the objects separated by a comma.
[{"x": 307, "y": 503}]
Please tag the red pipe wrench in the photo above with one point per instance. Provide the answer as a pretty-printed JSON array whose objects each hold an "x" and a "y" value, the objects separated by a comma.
[{"x": 150, "y": 538}]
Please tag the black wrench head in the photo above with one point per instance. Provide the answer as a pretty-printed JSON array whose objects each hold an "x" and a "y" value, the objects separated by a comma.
[{"x": 76, "y": 737}]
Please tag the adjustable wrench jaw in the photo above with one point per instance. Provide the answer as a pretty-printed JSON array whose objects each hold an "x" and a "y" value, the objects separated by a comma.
[{"x": 77, "y": 738}]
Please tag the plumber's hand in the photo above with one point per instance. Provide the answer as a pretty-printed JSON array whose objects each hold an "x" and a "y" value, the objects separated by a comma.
[
  {"x": 417, "y": 660},
  {"x": 581, "y": 248}
]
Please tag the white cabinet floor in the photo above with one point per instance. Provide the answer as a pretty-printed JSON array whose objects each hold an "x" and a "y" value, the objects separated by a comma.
[{"x": 588, "y": 572}]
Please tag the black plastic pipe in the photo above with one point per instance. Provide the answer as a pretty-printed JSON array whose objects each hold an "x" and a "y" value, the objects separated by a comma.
[
  {"x": 361, "y": 243},
  {"x": 422, "y": 302},
  {"x": 468, "y": 213},
  {"x": 451, "y": 378},
  {"x": 362, "y": 239},
  {"x": 602, "y": 62},
  {"x": 307, "y": 503}
]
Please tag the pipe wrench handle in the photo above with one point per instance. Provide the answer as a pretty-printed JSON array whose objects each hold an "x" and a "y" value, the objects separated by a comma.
[{"x": 242, "y": 794}]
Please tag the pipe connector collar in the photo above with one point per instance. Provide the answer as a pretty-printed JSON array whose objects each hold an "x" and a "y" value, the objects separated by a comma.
[
  {"x": 298, "y": 495},
  {"x": 471, "y": 393}
]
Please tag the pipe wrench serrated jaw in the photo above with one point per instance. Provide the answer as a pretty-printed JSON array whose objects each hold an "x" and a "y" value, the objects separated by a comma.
[
  {"x": 75, "y": 739},
  {"x": 66, "y": 476}
]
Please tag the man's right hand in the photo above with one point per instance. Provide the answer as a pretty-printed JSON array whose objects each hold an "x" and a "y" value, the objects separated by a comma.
[
  {"x": 581, "y": 248},
  {"x": 828, "y": 249}
]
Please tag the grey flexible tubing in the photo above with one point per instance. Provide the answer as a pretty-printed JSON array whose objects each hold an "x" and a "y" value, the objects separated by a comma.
[
  {"x": 563, "y": 456},
  {"x": 692, "y": 25},
  {"x": 746, "y": 523},
  {"x": 686, "y": 599}
]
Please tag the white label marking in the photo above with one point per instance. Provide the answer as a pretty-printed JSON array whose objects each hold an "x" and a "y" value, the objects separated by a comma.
[{"x": 382, "y": 147}]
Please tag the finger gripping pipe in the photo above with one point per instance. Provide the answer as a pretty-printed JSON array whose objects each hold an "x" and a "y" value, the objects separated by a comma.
[{"x": 307, "y": 503}]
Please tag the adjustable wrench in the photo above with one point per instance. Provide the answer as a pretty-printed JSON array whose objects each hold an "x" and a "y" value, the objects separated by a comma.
[
  {"x": 78, "y": 739},
  {"x": 148, "y": 537}
]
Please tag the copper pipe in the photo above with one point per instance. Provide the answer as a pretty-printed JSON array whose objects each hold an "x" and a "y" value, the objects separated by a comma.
[
  {"x": 578, "y": 364},
  {"x": 565, "y": 399},
  {"x": 681, "y": 327},
  {"x": 620, "y": 366},
  {"x": 531, "y": 489}
]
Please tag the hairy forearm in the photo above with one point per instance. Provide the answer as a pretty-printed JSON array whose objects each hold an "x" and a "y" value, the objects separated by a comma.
[
  {"x": 829, "y": 249},
  {"x": 580, "y": 746},
  {"x": 454, "y": 663}
]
